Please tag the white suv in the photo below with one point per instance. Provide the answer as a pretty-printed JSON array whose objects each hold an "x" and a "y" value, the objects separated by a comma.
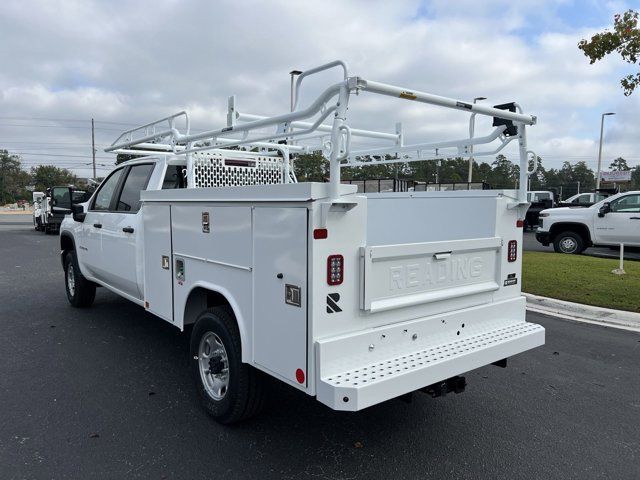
[{"x": 609, "y": 222}]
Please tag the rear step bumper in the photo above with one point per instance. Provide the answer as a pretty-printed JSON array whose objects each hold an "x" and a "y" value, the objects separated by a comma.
[{"x": 361, "y": 387}]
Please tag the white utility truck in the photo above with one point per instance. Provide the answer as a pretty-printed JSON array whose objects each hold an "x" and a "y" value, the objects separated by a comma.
[
  {"x": 354, "y": 299},
  {"x": 610, "y": 222}
]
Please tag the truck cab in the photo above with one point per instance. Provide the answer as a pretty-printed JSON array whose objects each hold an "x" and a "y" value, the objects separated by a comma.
[
  {"x": 610, "y": 222},
  {"x": 585, "y": 199},
  {"x": 108, "y": 239}
]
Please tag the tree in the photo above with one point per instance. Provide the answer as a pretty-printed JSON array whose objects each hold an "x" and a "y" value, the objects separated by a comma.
[
  {"x": 13, "y": 179},
  {"x": 504, "y": 174},
  {"x": 635, "y": 179},
  {"x": 619, "y": 164},
  {"x": 45, "y": 176},
  {"x": 311, "y": 168},
  {"x": 624, "y": 39}
]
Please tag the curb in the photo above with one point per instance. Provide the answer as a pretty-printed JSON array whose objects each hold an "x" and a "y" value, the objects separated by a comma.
[{"x": 583, "y": 313}]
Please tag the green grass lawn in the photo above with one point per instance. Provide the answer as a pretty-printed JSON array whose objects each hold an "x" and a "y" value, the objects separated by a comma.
[{"x": 582, "y": 279}]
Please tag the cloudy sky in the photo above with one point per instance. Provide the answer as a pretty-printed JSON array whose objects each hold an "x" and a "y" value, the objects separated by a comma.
[{"x": 125, "y": 63}]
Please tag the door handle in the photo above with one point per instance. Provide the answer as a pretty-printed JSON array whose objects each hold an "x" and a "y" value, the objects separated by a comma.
[
  {"x": 97, "y": 225},
  {"x": 128, "y": 229},
  {"x": 635, "y": 218}
]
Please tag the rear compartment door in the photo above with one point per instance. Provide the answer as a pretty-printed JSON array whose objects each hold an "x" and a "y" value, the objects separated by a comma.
[
  {"x": 280, "y": 291},
  {"x": 396, "y": 276}
]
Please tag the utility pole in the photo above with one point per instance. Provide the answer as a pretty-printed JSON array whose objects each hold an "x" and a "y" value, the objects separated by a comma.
[
  {"x": 600, "y": 149},
  {"x": 93, "y": 148}
]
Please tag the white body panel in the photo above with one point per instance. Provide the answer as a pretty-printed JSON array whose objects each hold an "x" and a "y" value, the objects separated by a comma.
[
  {"x": 158, "y": 264},
  {"x": 280, "y": 328}
]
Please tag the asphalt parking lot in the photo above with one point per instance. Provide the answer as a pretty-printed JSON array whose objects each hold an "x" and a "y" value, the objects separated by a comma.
[{"x": 105, "y": 393}]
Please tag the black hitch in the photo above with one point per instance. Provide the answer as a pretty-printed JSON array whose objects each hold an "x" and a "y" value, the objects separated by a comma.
[
  {"x": 454, "y": 384},
  {"x": 501, "y": 363}
]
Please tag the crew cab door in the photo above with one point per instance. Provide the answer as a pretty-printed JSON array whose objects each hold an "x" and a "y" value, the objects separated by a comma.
[
  {"x": 89, "y": 239},
  {"x": 622, "y": 223},
  {"x": 121, "y": 233}
]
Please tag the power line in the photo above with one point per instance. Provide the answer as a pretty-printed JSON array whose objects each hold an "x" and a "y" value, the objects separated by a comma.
[
  {"x": 58, "y": 155},
  {"x": 29, "y": 142},
  {"x": 29, "y": 119},
  {"x": 59, "y": 126}
]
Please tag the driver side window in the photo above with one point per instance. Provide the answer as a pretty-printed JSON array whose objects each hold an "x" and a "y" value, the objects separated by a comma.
[
  {"x": 102, "y": 201},
  {"x": 628, "y": 204}
]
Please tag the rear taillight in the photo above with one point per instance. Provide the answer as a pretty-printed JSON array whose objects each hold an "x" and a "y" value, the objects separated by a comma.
[
  {"x": 335, "y": 269},
  {"x": 512, "y": 251}
]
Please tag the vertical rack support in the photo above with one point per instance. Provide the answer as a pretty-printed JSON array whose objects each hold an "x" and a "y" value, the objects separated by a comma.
[{"x": 339, "y": 150}]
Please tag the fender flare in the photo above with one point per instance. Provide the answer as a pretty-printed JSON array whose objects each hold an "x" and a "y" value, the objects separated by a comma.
[{"x": 228, "y": 296}]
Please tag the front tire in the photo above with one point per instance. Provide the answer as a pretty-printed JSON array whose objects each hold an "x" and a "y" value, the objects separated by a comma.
[
  {"x": 230, "y": 390},
  {"x": 568, "y": 242},
  {"x": 80, "y": 291}
]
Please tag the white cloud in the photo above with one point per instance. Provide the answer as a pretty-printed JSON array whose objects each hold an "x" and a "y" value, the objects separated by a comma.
[{"x": 133, "y": 62}]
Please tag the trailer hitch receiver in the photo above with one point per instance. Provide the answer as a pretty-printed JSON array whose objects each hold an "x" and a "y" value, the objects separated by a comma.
[{"x": 455, "y": 384}]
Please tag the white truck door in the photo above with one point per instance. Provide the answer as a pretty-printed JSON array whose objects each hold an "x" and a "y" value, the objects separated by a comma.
[
  {"x": 622, "y": 223},
  {"x": 280, "y": 291},
  {"x": 89, "y": 241},
  {"x": 121, "y": 234}
]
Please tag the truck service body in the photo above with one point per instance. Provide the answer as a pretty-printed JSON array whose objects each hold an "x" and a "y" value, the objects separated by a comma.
[{"x": 354, "y": 299}]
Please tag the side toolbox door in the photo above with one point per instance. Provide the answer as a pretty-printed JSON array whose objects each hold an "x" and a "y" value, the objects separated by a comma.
[
  {"x": 280, "y": 291},
  {"x": 158, "y": 262}
]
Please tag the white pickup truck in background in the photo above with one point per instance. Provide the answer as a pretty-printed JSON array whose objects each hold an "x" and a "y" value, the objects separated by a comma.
[
  {"x": 610, "y": 222},
  {"x": 354, "y": 299}
]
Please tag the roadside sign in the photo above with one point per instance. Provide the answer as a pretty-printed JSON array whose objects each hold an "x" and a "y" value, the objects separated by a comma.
[{"x": 616, "y": 176}]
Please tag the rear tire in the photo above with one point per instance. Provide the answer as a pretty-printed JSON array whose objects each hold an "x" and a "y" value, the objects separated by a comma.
[
  {"x": 230, "y": 390},
  {"x": 80, "y": 291},
  {"x": 569, "y": 242}
]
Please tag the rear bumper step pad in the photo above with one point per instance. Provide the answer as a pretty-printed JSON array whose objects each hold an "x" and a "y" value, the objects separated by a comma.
[{"x": 365, "y": 386}]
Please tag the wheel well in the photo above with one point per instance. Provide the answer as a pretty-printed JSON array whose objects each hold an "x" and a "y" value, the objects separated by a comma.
[
  {"x": 66, "y": 243},
  {"x": 201, "y": 299},
  {"x": 578, "y": 228}
]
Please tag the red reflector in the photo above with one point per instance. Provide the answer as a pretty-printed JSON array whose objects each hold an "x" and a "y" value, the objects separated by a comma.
[
  {"x": 520, "y": 223},
  {"x": 320, "y": 233},
  {"x": 335, "y": 269},
  {"x": 512, "y": 251},
  {"x": 300, "y": 375}
]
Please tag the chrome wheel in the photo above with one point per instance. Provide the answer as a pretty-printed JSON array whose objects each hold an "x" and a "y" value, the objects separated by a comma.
[
  {"x": 71, "y": 280},
  {"x": 568, "y": 245},
  {"x": 214, "y": 365}
]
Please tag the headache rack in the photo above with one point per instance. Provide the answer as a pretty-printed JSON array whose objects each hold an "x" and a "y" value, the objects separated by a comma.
[{"x": 243, "y": 146}]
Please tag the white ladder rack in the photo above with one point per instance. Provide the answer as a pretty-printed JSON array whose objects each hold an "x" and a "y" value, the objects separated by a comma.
[{"x": 303, "y": 130}]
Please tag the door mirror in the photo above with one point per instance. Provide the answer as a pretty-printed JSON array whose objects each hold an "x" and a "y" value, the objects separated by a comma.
[
  {"x": 61, "y": 200},
  {"x": 78, "y": 213},
  {"x": 604, "y": 209}
]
